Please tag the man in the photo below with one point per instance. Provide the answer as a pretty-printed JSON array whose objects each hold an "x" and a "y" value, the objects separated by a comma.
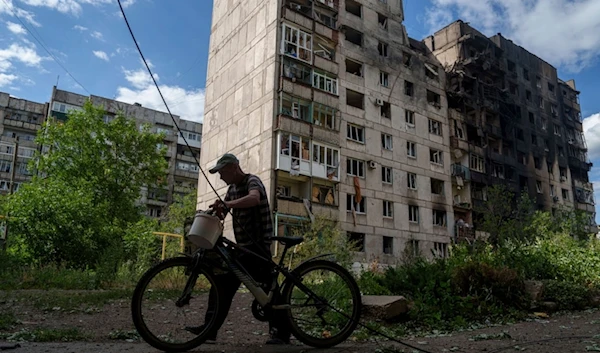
[{"x": 247, "y": 198}]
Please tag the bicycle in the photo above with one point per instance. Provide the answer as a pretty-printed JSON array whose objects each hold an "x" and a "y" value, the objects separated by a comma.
[{"x": 198, "y": 269}]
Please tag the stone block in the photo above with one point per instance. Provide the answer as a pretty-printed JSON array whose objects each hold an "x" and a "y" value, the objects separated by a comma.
[
  {"x": 384, "y": 307},
  {"x": 534, "y": 289}
]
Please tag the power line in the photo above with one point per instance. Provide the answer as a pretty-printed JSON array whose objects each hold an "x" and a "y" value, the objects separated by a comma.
[{"x": 10, "y": 7}]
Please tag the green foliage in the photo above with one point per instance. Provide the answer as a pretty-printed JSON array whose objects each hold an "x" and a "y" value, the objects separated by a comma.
[
  {"x": 321, "y": 236},
  {"x": 7, "y": 321},
  {"x": 568, "y": 295},
  {"x": 47, "y": 335},
  {"x": 183, "y": 207},
  {"x": 77, "y": 210}
]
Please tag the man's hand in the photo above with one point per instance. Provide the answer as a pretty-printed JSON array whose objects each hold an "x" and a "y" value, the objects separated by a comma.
[{"x": 220, "y": 208}]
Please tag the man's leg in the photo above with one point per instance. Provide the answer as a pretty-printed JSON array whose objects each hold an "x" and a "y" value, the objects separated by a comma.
[{"x": 228, "y": 285}]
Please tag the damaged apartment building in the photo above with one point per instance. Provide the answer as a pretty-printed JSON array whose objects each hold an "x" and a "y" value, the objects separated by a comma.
[
  {"x": 512, "y": 122},
  {"x": 340, "y": 114}
]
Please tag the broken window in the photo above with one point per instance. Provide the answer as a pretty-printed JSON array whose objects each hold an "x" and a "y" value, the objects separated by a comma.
[
  {"x": 355, "y": 99},
  {"x": 388, "y": 242},
  {"x": 353, "y": 36},
  {"x": 541, "y": 102},
  {"x": 388, "y": 212},
  {"x": 386, "y": 175},
  {"x": 531, "y": 118},
  {"x": 511, "y": 66},
  {"x": 528, "y": 95},
  {"x": 297, "y": 147},
  {"x": 359, "y": 207},
  {"x": 434, "y": 99},
  {"x": 327, "y": 156},
  {"x": 295, "y": 107},
  {"x": 556, "y": 130},
  {"x": 409, "y": 88},
  {"x": 537, "y": 162},
  {"x": 565, "y": 194},
  {"x": 459, "y": 130},
  {"x": 477, "y": 163},
  {"x": 538, "y": 82},
  {"x": 355, "y": 133},
  {"x": 413, "y": 217},
  {"x": 514, "y": 89},
  {"x": 534, "y": 140},
  {"x": 411, "y": 181},
  {"x": 385, "y": 110},
  {"x": 325, "y": 81},
  {"x": 323, "y": 194},
  {"x": 522, "y": 158},
  {"x": 435, "y": 127},
  {"x": 538, "y": 186},
  {"x": 550, "y": 87},
  {"x": 358, "y": 239},
  {"x": 409, "y": 117},
  {"x": 354, "y": 8},
  {"x": 382, "y": 48},
  {"x": 297, "y": 43},
  {"x": 411, "y": 149},
  {"x": 436, "y": 156},
  {"x": 328, "y": 20},
  {"x": 387, "y": 142},
  {"x": 520, "y": 135},
  {"x": 498, "y": 171},
  {"x": 431, "y": 71},
  {"x": 554, "y": 109},
  {"x": 526, "y": 74},
  {"x": 296, "y": 71},
  {"x": 324, "y": 48},
  {"x": 384, "y": 79},
  {"x": 355, "y": 167},
  {"x": 324, "y": 116},
  {"x": 382, "y": 20},
  {"x": 406, "y": 59},
  {"x": 439, "y": 218},
  {"x": 437, "y": 186},
  {"x": 354, "y": 67},
  {"x": 544, "y": 124}
]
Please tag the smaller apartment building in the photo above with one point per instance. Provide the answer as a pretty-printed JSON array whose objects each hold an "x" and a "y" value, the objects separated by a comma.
[
  {"x": 182, "y": 175},
  {"x": 19, "y": 122}
]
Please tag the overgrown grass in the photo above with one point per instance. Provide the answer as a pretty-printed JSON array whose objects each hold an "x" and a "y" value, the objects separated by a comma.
[
  {"x": 46, "y": 335},
  {"x": 7, "y": 321}
]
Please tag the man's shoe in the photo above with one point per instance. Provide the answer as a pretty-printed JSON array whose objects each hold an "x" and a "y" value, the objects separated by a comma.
[{"x": 196, "y": 330}]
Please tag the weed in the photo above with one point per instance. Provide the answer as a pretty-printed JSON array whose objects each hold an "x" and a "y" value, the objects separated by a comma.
[
  {"x": 46, "y": 335},
  {"x": 7, "y": 321},
  {"x": 129, "y": 336}
]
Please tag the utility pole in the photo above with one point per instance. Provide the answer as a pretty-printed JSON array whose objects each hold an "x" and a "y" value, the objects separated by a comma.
[{"x": 13, "y": 169}]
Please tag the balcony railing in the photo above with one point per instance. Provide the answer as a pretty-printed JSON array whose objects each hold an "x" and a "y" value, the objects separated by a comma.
[{"x": 461, "y": 171}]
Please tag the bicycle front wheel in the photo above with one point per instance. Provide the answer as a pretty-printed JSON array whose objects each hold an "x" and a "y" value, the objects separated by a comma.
[
  {"x": 169, "y": 297},
  {"x": 328, "y": 312}
]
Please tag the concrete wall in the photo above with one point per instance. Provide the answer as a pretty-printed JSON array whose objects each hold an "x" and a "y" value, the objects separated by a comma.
[{"x": 239, "y": 111}]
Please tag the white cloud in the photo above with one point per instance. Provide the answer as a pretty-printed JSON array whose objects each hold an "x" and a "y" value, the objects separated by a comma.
[
  {"x": 66, "y": 6},
  {"x": 17, "y": 52},
  {"x": 15, "y": 28},
  {"x": 7, "y": 7},
  {"x": 127, "y": 3},
  {"x": 591, "y": 129},
  {"x": 80, "y": 28},
  {"x": 7, "y": 79},
  {"x": 188, "y": 104},
  {"x": 101, "y": 55},
  {"x": 97, "y": 35},
  {"x": 563, "y": 32}
]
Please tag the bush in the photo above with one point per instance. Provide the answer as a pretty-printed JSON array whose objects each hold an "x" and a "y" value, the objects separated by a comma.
[{"x": 568, "y": 295}]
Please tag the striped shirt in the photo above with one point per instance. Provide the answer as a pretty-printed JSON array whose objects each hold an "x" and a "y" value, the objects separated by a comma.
[{"x": 250, "y": 222}]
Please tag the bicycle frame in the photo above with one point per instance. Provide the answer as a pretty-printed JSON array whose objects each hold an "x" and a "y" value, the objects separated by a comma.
[{"x": 259, "y": 294}]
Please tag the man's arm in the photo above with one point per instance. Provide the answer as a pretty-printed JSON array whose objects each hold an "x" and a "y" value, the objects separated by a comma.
[{"x": 250, "y": 200}]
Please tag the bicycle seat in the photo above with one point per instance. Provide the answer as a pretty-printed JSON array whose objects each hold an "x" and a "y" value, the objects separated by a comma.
[{"x": 288, "y": 241}]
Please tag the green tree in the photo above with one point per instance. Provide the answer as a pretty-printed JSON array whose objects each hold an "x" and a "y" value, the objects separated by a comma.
[{"x": 83, "y": 200}]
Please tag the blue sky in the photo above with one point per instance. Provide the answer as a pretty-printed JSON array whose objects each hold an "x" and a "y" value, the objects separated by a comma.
[{"x": 91, "y": 41}]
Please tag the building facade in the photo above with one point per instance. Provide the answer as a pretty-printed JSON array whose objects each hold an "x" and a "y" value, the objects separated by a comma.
[
  {"x": 19, "y": 122},
  {"x": 182, "y": 175},
  {"x": 340, "y": 113},
  {"x": 512, "y": 122}
]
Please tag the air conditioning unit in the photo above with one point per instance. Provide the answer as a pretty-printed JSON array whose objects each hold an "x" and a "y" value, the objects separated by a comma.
[
  {"x": 555, "y": 198},
  {"x": 379, "y": 102},
  {"x": 570, "y": 141},
  {"x": 563, "y": 179},
  {"x": 372, "y": 164}
]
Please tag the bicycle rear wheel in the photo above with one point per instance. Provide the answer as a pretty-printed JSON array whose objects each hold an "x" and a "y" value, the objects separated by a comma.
[
  {"x": 169, "y": 297},
  {"x": 329, "y": 318}
]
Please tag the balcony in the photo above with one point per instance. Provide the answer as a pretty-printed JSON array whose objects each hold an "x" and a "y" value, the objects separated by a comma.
[
  {"x": 299, "y": 155},
  {"x": 493, "y": 130},
  {"x": 457, "y": 143},
  {"x": 460, "y": 171}
]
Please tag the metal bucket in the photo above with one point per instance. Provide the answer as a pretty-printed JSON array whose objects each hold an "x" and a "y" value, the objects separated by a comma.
[{"x": 205, "y": 231}]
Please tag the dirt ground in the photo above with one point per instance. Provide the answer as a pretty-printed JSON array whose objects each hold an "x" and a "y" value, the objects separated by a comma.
[{"x": 565, "y": 332}]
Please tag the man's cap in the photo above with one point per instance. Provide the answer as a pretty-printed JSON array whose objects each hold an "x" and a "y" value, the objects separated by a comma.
[{"x": 227, "y": 158}]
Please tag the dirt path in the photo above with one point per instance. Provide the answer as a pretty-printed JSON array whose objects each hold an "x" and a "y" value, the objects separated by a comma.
[{"x": 569, "y": 332}]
